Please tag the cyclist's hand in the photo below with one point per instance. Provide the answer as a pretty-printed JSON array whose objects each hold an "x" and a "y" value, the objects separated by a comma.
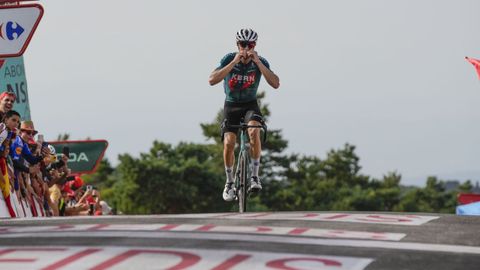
[
  {"x": 238, "y": 57},
  {"x": 253, "y": 54}
]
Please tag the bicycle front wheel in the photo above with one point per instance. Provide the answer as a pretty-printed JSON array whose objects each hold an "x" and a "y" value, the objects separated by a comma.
[{"x": 242, "y": 190}]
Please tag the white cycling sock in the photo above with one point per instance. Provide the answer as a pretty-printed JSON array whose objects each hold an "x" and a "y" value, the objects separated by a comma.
[
  {"x": 229, "y": 173},
  {"x": 255, "y": 167}
]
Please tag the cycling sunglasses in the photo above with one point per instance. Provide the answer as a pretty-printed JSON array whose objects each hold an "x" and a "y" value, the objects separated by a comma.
[{"x": 244, "y": 44}]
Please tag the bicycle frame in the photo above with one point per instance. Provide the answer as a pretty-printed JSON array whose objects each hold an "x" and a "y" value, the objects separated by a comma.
[{"x": 243, "y": 170}]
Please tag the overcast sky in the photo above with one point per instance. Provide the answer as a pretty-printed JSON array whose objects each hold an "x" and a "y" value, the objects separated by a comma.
[{"x": 386, "y": 76}]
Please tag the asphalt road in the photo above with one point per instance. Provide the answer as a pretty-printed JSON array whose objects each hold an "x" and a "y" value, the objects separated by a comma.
[{"x": 281, "y": 240}]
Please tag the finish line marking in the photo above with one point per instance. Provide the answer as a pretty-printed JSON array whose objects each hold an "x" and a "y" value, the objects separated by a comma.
[
  {"x": 411, "y": 220},
  {"x": 256, "y": 238},
  {"x": 100, "y": 258},
  {"x": 263, "y": 230}
]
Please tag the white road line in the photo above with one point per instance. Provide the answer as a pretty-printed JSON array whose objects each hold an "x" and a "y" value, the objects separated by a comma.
[
  {"x": 372, "y": 218},
  {"x": 260, "y": 238},
  {"x": 263, "y": 230}
]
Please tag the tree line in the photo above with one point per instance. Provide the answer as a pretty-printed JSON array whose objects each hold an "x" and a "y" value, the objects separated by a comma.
[{"x": 189, "y": 178}]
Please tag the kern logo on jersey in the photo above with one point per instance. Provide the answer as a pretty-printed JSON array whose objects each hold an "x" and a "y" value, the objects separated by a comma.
[
  {"x": 11, "y": 30},
  {"x": 244, "y": 80}
]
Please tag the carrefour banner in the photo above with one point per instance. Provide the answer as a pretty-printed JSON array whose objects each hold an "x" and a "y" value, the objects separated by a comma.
[{"x": 13, "y": 79}]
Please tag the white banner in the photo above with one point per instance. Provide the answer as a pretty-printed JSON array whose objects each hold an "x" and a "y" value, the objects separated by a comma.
[{"x": 17, "y": 25}]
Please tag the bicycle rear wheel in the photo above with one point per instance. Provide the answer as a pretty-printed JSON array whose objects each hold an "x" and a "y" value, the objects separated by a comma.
[{"x": 242, "y": 189}]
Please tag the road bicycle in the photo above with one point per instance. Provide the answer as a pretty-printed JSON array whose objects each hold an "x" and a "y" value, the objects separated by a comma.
[{"x": 243, "y": 170}]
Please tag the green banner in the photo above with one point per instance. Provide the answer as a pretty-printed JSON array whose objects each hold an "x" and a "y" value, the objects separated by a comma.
[
  {"x": 13, "y": 79},
  {"x": 84, "y": 156}
]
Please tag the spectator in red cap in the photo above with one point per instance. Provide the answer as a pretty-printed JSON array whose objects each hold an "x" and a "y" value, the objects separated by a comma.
[
  {"x": 6, "y": 103},
  {"x": 77, "y": 183}
]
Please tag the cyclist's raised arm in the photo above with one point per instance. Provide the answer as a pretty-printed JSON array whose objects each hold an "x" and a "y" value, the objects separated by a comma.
[
  {"x": 264, "y": 67},
  {"x": 225, "y": 67},
  {"x": 270, "y": 77}
]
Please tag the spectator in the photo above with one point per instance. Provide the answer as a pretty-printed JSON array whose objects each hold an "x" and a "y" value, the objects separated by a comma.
[
  {"x": 4, "y": 178},
  {"x": 19, "y": 149},
  {"x": 6, "y": 103},
  {"x": 32, "y": 181},
  {"x": 81, "y": 206},
  {"x": 105, "y": 208}
]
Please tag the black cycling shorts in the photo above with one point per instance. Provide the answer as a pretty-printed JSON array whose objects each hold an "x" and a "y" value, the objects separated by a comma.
[{"x": 234, "y": 112}]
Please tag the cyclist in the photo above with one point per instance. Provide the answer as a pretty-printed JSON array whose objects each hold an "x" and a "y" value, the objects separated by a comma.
[{"x": 241, "y": 72}]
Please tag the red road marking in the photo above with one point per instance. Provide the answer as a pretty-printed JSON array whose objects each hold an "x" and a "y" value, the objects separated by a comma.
[
  {"x": 337, "y": 216},
  {"x": 281, "y": 263},
  {"x": 6, "y": 251},
  {"x": 383, "y": 219},
  {"x": 188, "y": 259},
  {"x": 310, "y": 215},
  {"x": 17, "y": 260},
  {"x": 232, "y": 262},
  {"x": 205, "y": 228},
  {"x": 258, "y": 215},
  {"x": 298, "y": 231},
  {"x": 98, "y": 227},
  {"x": 225, "y": 215},
  {"x": 264, "y": 229},
  {"x": 64, "y": 227},
  {"x": 168, "y": 227},
  {"x": 71, "y": 259}
]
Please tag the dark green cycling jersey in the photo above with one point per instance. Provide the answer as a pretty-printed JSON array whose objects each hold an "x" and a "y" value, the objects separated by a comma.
[{"x": 241, "y": 84}]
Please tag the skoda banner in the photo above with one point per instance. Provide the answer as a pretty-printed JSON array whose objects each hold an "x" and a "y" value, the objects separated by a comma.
[
  {"x": 84, "y": 156},
  {"x": 13, "y": 79}
]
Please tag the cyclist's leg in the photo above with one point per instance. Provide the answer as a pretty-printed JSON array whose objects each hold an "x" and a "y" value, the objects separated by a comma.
[
  {"x": 228, "y": 157},
  {"x": 255, "y": 118},
  {"x": 232, "y": 117},
  {"x": 255, "y": 149},
  {"x": 255, "y": 143},
  {"x": 228, "y": 149}
]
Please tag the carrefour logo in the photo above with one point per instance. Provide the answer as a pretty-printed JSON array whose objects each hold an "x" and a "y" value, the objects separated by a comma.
[{"x": 11, "y": 30}]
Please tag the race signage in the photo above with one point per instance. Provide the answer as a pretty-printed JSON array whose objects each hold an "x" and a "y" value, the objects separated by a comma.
[
  {"x": 391, "y": 219},
  {"x": 13, "y": 79},
  {"x": 84, "y": 156},
  {"x": 17, "y": 25},
  {"x": 145, "y": 258},
  {"x": 258, "y": 230}
]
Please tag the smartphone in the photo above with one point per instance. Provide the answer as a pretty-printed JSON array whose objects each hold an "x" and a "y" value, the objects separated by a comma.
[
  {"x": 66, "y": 151},
  {"x": 92, "y": 210},
  {"x": 89, "y": 187},
  {"x": 40, "y": 138}
]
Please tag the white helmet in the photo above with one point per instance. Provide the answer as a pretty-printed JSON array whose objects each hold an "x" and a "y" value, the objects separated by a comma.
[
  {"x": 247, "y": 34},
  {"x": 52, "y": 149}
]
